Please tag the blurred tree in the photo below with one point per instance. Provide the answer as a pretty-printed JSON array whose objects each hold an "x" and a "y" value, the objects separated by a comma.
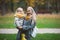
[
  {"x": 57, "y": 6},
  {"x": 30, "y": 3},
  {"x": 12, "y": 5},
  {"x": 15, "y": 2},
  {"x": 3, "y": 7},
  {"x": 19, "y": 3}
]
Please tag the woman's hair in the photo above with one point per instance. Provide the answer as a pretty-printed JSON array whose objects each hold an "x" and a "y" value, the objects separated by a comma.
[{"x": 33, "y": 13}]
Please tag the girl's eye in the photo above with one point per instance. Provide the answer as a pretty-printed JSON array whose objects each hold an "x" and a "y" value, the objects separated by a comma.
[{"x": 19, "y": 11}]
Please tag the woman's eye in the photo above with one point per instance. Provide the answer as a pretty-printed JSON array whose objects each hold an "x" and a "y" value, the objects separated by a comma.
[{"x": 28, "y": 11}]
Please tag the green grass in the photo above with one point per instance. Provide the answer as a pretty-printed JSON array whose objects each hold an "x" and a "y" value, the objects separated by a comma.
[
  {"x": 38, "y": 37},
  {"x": 48, "y": 23},
  {"x": 41, "y": 22},
  {"x": 7, "y": 36},
  {"x": 7, "y": 22}
]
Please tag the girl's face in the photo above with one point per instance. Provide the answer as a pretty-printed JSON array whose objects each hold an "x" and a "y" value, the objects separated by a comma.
[{"x": 20, "y": 11}]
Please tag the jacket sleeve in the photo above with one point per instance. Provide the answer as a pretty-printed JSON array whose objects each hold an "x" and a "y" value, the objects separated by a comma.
[
  {"x": 33, "y": 23},
  {"x": 17, "y": 22}
]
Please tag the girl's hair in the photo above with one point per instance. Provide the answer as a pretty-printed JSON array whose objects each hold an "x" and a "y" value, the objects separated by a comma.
[
  {"x": 19, "y": 9},
  {"x": 33, "y": 13}
]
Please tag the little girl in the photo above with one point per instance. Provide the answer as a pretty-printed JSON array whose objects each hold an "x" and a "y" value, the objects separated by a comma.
[{"x": 19, "y": 17}]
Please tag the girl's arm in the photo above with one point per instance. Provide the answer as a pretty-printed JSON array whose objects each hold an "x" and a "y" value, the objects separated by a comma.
[{"x": 17, "y": 23}]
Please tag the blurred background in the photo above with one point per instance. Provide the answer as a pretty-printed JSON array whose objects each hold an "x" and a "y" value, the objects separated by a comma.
[
  {"x": 48, "y": 16},
  {"x": 40, "y": 6}
]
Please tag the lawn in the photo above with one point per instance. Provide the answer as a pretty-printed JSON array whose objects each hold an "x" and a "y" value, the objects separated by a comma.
[
  {"x": 48, "y": 21},
  {"x": 38, "y": 37},
  {"x": 7, "y": 21},
  {"x": 43, "y": 21}
]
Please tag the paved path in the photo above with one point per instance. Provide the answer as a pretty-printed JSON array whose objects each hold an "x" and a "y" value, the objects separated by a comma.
[{"x": 40, "y": 30}]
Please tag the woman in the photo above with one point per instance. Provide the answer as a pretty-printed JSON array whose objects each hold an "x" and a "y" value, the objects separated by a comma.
[
  {"x": 29, "y": 22},
  {"x": 19, "y": 17}
]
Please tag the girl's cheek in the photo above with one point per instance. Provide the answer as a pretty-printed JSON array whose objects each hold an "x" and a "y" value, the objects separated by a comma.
[{"x": 19, "y": 12}]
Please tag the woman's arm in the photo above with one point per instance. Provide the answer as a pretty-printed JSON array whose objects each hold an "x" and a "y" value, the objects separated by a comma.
[
  {"x": 33, "y": 23},
  {"x": 31, "y": 26}
]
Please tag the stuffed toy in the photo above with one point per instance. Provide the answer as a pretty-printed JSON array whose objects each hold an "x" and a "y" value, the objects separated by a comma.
[
  {"x": 19, "y": 15},
  {"x": 23, "y": 37},
  {"x": 28, "y": 17}
]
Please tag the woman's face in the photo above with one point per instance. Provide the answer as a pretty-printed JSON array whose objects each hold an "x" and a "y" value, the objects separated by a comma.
[{"x": 29, "y": 11}]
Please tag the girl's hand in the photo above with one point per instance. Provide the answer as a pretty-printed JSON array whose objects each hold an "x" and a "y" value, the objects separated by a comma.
[{"x": 20, "y": 27}]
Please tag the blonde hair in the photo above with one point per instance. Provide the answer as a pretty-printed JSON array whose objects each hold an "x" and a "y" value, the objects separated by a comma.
[
  {"x": 33, "y": 13},
  {"x": 19, "y": 9}
]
